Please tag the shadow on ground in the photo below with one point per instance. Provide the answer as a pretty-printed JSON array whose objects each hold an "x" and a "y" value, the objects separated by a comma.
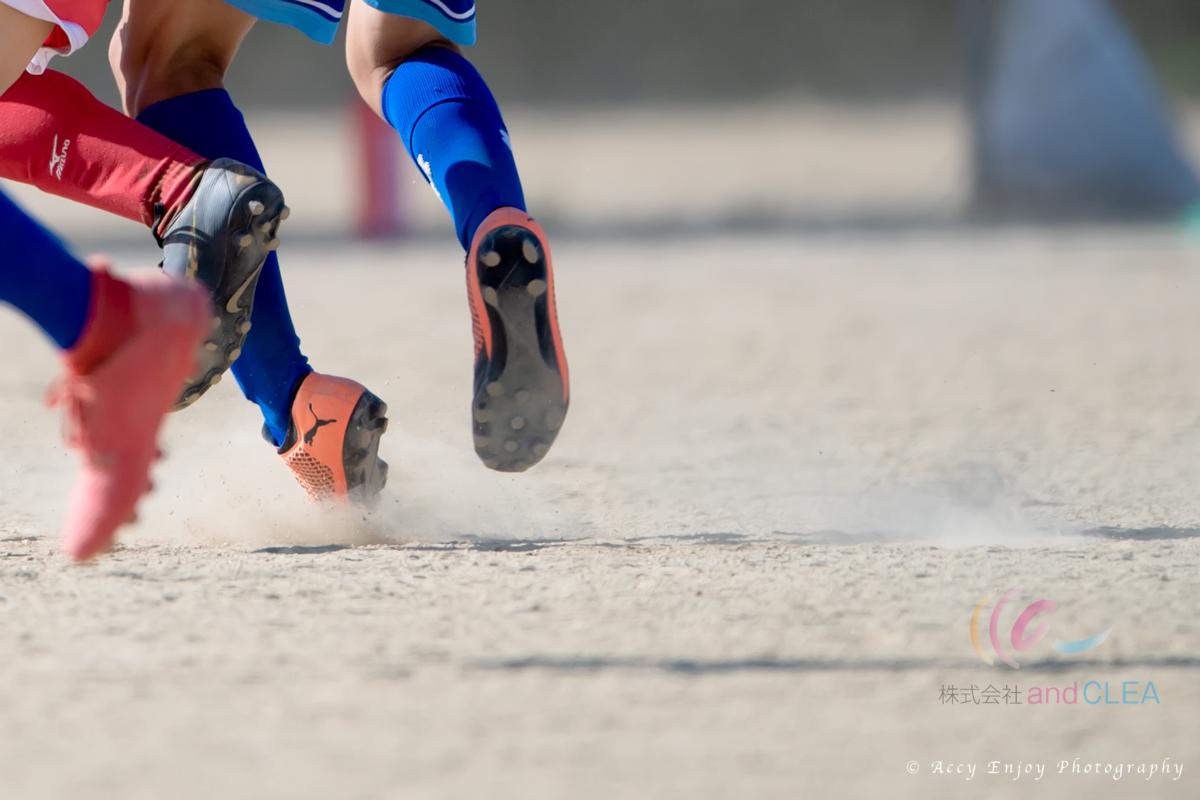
[
  {"x": 720, "y": 666},
  {"x": 1142, "y": 534},
  {"x": 829, "y": 538}
]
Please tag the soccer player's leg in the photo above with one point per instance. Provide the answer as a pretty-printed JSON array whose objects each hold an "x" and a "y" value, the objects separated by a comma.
[
  {"x": 216, "y": 220},
  {"x": 127, "y": 347},
  {"x": 403, "y": 58},
  {"x": 49, "y": 139},
  {"x": 170, "y": 59}
]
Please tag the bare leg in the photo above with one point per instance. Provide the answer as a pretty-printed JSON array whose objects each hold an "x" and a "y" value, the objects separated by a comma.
[
  {"x": 20, "y": 37},
  {"x": 170, "y": 58},
  {"x": 167, "y": 48},
  {"x": 377, "y": 42}
]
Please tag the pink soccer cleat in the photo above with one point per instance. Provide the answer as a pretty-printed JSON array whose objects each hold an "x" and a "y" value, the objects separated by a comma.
[{"x": 125, "y": 374}]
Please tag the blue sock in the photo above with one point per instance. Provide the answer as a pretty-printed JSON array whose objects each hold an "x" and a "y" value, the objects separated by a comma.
[
  {"x": 271, "y": 365},
  {"x": 39, "y": 277},
  {"x": 449, "y": 122}
]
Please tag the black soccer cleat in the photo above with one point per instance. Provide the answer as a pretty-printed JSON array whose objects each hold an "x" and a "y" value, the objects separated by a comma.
[{"x": 221, "y": 238}]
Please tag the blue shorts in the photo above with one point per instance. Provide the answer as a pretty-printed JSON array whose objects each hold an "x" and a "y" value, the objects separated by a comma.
[{"x": 319, "y": 19}]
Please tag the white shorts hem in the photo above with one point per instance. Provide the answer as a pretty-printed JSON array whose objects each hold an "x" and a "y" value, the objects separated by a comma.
[{"x": 76, "y": 35}]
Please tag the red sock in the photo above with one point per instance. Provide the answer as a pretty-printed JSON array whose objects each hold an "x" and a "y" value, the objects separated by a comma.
[
  {"x": 56, "y": 136},
  {"x": 109, "y": 323}
]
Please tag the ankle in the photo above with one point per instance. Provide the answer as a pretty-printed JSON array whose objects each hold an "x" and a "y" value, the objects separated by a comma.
[
  {"x": 110, "y": 321},
  {"x": 177, "y": 194}
]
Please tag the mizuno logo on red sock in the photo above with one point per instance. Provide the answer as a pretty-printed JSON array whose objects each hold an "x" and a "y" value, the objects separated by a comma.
[{"x": 58, "y": 157}]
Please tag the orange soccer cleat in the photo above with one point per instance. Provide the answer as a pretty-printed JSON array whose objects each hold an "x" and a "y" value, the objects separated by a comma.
[
  {"x": 332, "y": 446},
  {"x": 521, "y": 384},
  {"x": 138, "y": 347}
]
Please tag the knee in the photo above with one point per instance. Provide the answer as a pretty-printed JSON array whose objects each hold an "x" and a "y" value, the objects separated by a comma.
[
  {"x": 367, "y": 76},
  {"x": 148, "y": 75},
  {"x": 371, "y": 66}
]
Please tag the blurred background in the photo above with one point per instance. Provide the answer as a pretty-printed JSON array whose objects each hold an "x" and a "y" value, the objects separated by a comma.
[
  {"x": 545, "y": 53},
  {"x": 839, "y": 368},
  {"x": 664, "y": 117}
]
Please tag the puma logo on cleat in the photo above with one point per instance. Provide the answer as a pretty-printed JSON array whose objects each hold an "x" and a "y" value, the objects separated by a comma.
[
  {"x": 58, "y": 157},
  {"x": 317, "y": 424}
]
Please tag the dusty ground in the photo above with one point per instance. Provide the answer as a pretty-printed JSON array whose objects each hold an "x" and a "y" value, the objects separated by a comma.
[
  {"x": 793, "y": 466},
  {"x": 795, "y": 462}
]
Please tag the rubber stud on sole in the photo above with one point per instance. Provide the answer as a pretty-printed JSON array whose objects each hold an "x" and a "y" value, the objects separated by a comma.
[{"x": 529, "y": 251}]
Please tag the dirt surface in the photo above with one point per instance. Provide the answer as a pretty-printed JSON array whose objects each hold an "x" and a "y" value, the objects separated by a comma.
[{"x": 793, "y": 466}]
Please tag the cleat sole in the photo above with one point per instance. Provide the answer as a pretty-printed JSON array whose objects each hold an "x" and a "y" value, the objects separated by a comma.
[
  {"x": 519, "y": 403},
  {"x": 366, "y": 473}
]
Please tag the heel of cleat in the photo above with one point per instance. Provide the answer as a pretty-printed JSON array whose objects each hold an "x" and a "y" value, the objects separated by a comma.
[
  {"x": 332, "y": 444},
  {"x": 366, "y": 473}
]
